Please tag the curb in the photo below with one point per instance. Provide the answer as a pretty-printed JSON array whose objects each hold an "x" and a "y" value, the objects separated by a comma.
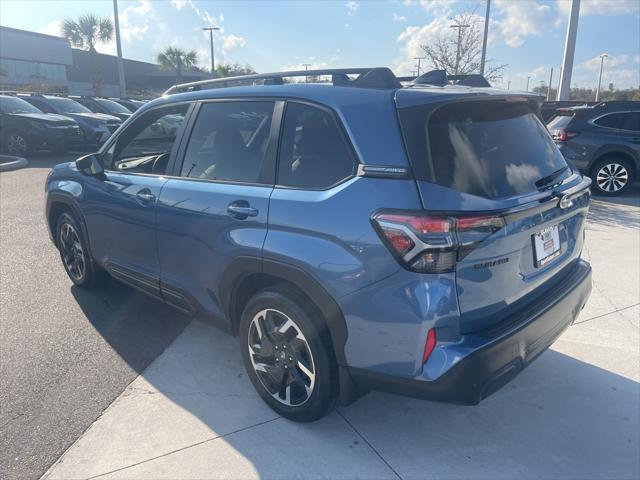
[{"x": 8, "y": 162}]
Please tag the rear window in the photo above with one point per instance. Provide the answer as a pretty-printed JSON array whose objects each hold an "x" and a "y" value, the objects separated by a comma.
[
  {"x": 490, "y": 149},
  {"x": 560, "y": 121}
]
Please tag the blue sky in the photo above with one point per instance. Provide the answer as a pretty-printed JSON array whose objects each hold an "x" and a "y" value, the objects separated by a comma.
[{"x": 272, "y": 35}]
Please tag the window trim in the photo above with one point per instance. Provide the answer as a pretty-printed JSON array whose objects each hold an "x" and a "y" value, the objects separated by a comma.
[
  {"x": 271, "y": 154},
  {"x": 593, "y": 121},
  {"x": 355, "y": 159},
  {"x": 174, "y": 149}
]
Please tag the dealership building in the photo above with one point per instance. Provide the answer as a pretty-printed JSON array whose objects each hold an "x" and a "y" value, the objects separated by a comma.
[{"x": 45, "y": 63}]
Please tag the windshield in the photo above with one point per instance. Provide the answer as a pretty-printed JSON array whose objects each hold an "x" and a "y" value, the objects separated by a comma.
[
  {"x": 491, "y": 149},
  {"x": 16, "y": 105},
  {"x": 111, "y": 106},
  {"x": 66, "y": 105}
]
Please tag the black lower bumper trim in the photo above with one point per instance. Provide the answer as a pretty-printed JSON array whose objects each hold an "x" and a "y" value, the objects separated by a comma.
[{"x": 502, "y": 359}]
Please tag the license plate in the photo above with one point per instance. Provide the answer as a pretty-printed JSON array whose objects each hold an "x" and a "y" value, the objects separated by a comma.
[{"x": 546, "y": 244}]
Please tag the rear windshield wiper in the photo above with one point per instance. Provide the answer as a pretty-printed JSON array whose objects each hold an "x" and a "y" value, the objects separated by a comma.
[{"x": 546, "y": 181}]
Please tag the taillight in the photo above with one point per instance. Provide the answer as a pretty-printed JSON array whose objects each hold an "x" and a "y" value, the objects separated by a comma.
[
  {"x": 563, "y": 135},
  {"x": 431, "y": 243}
]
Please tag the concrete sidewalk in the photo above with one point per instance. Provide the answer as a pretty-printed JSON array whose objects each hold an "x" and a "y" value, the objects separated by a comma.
[{"x": 573, "y": 414}]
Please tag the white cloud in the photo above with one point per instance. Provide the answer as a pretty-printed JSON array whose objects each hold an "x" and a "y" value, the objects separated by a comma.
[
  {"x": 593, "y": 64},
  {"x": 399, "y": 18},
  {"x": 413, "y": 37},
  {"x": 52, "y": 28},
  {"x": 438, "y": 7},
  {"x": 601, "y": 7},
  {"x": 517, "y": 20},
  {"x": 231, "y": 42},
  {"x": 179, "y": 4},
  {"x": 352, "y": 7},
  {"x": 135, "y": 20}
]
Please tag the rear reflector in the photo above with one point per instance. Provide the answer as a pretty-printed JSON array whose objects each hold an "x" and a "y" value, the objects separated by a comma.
[{"x": 429, "y": 345}]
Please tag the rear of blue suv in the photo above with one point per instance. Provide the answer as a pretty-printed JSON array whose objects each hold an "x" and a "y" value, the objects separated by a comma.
[{"x": 420, "y": 240}]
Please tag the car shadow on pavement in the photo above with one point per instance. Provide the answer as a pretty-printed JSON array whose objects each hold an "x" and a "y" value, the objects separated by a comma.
[
  {"x": 194, "y": 414},
  {"x": 137, "y": 327}
]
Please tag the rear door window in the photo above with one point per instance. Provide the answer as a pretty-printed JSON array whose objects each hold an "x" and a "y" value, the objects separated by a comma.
[
  {"x": 491, "y": 149},
  {"x": 314, "y": 152},
  {"x": 229, "y": 142},
  {"x": 620, "y": 121}
]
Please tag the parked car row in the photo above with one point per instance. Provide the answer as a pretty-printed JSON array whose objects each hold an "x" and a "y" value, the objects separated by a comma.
[
  {"x": 601, "y": 140},
  {"x": 30, "y": 121}
]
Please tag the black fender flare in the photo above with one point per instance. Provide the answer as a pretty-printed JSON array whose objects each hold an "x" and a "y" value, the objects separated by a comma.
[{"x": 243, "y": 267}]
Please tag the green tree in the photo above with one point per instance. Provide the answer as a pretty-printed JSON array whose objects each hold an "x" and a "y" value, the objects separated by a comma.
[
  {"x": 85, "y": 32},
  {"x": 229, "y": 70},
  {"x": 175, "y": 58}
]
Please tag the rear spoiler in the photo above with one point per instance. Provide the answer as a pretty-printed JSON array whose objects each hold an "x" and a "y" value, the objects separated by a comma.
[{"x": 440, "y": 78}]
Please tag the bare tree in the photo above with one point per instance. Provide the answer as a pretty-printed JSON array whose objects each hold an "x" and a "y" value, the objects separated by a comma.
[{"x": 443, "y": 53}]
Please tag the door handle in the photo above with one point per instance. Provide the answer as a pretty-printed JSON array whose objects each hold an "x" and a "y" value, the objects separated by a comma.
[
  {"x": 241, "y": 210},
  {"x": 146, "y": 196}
]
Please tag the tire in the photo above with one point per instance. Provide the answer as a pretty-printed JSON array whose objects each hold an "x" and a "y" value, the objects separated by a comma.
[
  {"x": 16, "y": 143},
  {"x": 74, "y": 253},
  {"x": 301, "y": 386},
  {"x": 611, "y": 176}
]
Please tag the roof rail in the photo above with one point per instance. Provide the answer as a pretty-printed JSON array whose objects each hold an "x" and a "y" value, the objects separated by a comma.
[
  {"x": 379, "y": 77},
  {"x": 441, "y": 78}
]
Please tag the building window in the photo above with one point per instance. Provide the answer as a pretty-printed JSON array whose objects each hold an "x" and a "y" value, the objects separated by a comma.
[{"x": 20, "y": 69}]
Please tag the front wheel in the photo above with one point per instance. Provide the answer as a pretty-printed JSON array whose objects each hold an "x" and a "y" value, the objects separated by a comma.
[
  {"x": 288, "y": 356},
  {"x": 74, "y": 253},
  {"x": 17, "y": 144},
  {"x": 611, "y": 176}
]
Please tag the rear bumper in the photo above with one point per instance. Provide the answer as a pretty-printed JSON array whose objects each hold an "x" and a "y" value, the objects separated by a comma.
[{"x": 503, "y": 356}]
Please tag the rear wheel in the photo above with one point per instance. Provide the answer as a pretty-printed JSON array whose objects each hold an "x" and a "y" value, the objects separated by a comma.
[
  {"x": 611, "y": 176},
  {"x": 74, "y": 253},
  {"x": 16, "y": 143},
  {"x": 288, "y": 355}
]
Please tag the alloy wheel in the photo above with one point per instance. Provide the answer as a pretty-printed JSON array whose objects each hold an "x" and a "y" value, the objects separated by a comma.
[
  {"x": 16, "y": 144},
  {"x": 281, "y": 357},
  {"x": 612, "y": 177},
  {"x": 72, "y": 251}
]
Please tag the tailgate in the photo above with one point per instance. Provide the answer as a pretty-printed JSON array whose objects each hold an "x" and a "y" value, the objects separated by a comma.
[{"x": 518, "y": 209}]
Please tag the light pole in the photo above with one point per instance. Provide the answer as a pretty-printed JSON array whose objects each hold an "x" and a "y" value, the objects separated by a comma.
[
  {"x": 121, "y": 80},
  {"x": 509, "y": 85},
  {"x": 419, "y": 58},
  {"x": 602, "y": 57},
  {"x": 564, "y": 92},
  {"x": 549, "y": 89},
  {"x": 484, "y": 38},
  {"x": 459, "y": 27},
  {"x": 213, "y": 63},
  {"x": 528, "y": 78},
  {"x": 306, "y": 67}
]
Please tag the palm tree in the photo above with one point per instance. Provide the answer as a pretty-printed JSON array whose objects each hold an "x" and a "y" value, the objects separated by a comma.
[
  {"x": 85, "y": 33},
  {"x": 175, "y": 58}
]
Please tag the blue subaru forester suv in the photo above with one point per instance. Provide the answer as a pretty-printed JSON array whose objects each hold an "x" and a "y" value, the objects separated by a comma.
[{"x": 419, "y": 238}]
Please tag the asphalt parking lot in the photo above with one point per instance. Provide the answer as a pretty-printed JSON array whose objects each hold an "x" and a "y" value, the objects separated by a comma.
[{"x": 110, "y": 384}]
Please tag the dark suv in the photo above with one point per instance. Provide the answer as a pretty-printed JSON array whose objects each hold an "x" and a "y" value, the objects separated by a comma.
[
  {"x": 104, "y": 105},
  {"x": 603, "y": 141},
  {"x": 26, "y": 129},
  {"x": 96, "y": 127},
  {"x": 354, "y": 235}
]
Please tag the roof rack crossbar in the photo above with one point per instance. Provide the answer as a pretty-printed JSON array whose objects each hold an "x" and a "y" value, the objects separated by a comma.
[{"x": 379, "y": 77}]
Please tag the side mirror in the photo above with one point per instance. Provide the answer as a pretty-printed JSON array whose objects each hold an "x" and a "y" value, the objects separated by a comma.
[{"x": 90, "y": 165}]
